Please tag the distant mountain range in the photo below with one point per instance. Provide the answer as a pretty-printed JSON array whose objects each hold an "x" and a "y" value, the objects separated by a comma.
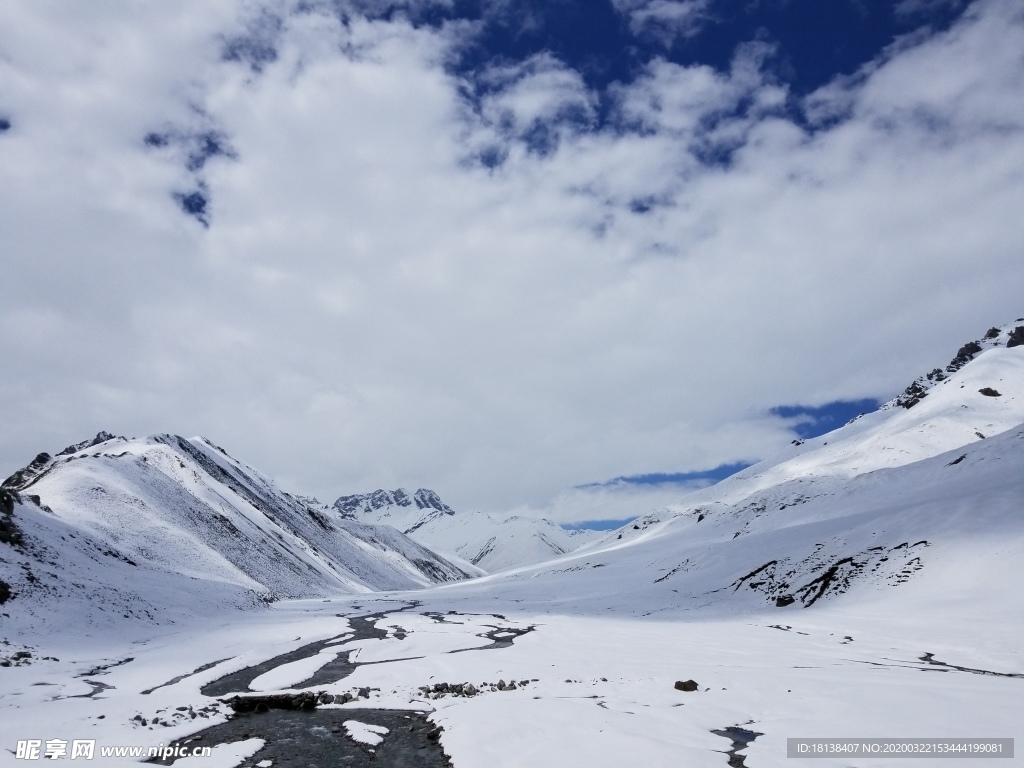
[
  {"x": 367, "y": 503},
  {"x": 163, "y": 527},
  {"x": 491, "y": 543}
]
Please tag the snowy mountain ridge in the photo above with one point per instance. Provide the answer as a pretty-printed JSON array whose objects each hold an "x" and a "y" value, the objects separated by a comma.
[
  {"x": 491, "y": 543},
  {"x": 1009, "y": 336},
  {"x": 871, "y": 503},
  {"x": 423, "y": 498},
  {"x": 165, "y": 526}
]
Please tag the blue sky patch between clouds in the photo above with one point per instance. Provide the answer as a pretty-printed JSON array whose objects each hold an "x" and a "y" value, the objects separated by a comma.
[{"x": 814, "y": 421}]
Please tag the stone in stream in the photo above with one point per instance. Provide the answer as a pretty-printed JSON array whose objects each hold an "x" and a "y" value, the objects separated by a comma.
[{"x": 263, "y": 703}]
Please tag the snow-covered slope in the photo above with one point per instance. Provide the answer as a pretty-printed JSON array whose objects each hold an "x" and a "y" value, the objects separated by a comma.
[
  {"x": 491, "y": 543},
  {"x": 866, "y": 506},
  {"x": 165, "y": 526}
]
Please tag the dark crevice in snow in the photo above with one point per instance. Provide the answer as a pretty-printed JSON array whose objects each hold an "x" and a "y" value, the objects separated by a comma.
[
  {"x": 929, "y": 658},
  {"x": 179, "y": 678},
  {"x": 776, "y": 578}
]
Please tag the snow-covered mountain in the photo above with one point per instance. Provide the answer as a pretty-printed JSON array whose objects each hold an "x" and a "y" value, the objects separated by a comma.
[
  {"x": 491, "y": 543},
  {"x": 167, "y": 526},
  {"x": 866, "y": 506},
  {"x": 809, "y": 595}
]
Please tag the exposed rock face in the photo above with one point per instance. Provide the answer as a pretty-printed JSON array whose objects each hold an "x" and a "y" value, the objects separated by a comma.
[
  {"x": 101, "y": 437},
  {"x": 994, "y": 337},
  {"x": 27, "y": 475},
  {"x": 423, "y": 498},
  {"x": 9, "y": 532},
  {"x": 807, "y": 580}
]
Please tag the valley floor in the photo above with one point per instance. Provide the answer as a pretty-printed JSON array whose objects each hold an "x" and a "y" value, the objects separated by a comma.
[{"x": 590, "y": 690}]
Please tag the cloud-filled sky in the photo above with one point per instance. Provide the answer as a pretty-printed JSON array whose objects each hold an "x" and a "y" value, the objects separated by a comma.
[{"x": 499, "y": 248}]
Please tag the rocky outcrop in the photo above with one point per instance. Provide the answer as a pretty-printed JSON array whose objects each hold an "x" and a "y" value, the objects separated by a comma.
[
  {"x": 994, "y": 337},
  {"x": 423, "y": 498}
]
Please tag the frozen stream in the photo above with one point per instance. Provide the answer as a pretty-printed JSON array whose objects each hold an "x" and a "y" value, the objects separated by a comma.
[
  {"x": 301, "y": 736},
  {"x": 389, "y": 676}
]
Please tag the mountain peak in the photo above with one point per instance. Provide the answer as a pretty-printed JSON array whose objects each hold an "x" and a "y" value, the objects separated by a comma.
[
  {"x": 423, "y": 498},
  {"x": 1010, "y": 335},
  {"x": 101, "y": 437}
]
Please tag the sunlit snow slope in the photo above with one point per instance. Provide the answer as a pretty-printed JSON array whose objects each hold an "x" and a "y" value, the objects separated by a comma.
[
  {"x": 933, "y": 491},
  {"x": 166, "y": 526}
]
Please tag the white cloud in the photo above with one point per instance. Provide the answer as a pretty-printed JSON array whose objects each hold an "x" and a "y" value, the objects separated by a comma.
[
  {"x": 664, "y": 20},
  {"x": 371, "y": 306},
  {"x": 607, "y": 503}
]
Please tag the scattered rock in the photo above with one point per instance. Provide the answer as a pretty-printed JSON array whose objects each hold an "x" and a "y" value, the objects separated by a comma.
[
  {"x": 686, "y": 685},
  {"x": 18, "y": 658},
  {"x": 439, "y": 690},
  {"x": 783, "y": 600},
  {"x": 266, "y": 702},
  {"x": 989, "y": 392}
]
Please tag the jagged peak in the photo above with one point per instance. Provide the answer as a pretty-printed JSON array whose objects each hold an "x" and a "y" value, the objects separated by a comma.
[
  {"x": 422, "y": 498},
  {"x": 101, "y": 437},
  {"x": 36, "y": 468},
  {"x": 1009, "y": 335}
]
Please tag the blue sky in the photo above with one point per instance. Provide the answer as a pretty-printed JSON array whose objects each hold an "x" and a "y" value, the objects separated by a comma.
[
  {"x": 606, "y": 41},
  {"x": 697, "y": 478},
  {"x": 509, "y": 251},
  {"x": 812, "y": 421}
]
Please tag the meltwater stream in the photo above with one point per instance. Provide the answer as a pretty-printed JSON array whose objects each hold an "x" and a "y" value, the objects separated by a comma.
[{"x": 316, "y": 738}]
